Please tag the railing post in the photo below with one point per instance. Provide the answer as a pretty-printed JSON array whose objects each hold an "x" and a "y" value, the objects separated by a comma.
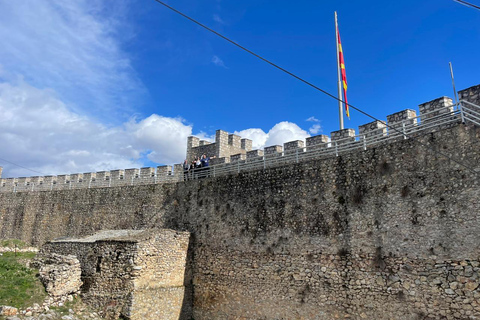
[
  {"x": 403, "y": 130},
  {"x": 296, "y": 155},
  {"x": 89, "y": 182},
  {"x": 33, "y": 186},
  {"x": 214, "y": 171},
  {"x": 238, "y": 166},
  {"x": 336, "y": 148},
  {"x": 364, "y": 142},
  {"x": 264, "y": 164},
  {"x": 14, "y": 188},
  {"x": 460, "y": 106}
]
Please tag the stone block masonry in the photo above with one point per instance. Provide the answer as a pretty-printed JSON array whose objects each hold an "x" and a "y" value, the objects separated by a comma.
[
  {"x": 317, "y": 142},
  {"x": 434, "y": 108},
  {"x": 127, "y": 274},
  {"x": 225, "y": 146},
  {"x": 343, "y": 136},
  {"x": 398, "y": 120},
  {"x": 471, "y": 95},
  {"x": 372, "y": 130}
]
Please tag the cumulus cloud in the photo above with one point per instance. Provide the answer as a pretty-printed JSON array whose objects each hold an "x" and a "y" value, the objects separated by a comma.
[
  {"x": 285, "y": 131},
  {"x": 316, "y": 127},
  {"x": 280, "y": 133},
  {"x": 73, "y": 47},
  {"x": 258, "y": 137},
  {"x": 39, "y": 132},
  {"x": 218, "y": 62}
]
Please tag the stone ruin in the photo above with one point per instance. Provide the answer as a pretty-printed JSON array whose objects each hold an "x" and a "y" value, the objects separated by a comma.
[
  {"x": 59, "y": 274},
  {"x": 123, "y": 274}
]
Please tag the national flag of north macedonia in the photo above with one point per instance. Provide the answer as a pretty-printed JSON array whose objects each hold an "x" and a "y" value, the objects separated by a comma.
[{"x": 344, "y": 74}]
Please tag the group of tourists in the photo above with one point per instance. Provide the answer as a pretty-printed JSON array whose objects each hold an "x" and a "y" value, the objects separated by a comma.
[{"x": 198, "y": 168}]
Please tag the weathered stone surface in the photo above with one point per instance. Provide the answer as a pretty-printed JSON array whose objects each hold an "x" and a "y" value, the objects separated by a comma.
[
  {"x": 429, "y": 111},
  {"x": 375, "y": 129},
  {"x": 225, "y": 145},
  {"x": 343, "y": 136},
  {"x": 397, "y": 120},
  {"x": 135, "y": 274},
  {"x": 60, "y": 274}
]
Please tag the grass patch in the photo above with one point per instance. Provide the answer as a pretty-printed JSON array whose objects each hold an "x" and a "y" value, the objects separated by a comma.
[
  {"x": 10, "y": 243},
  {"x": 19, "y": 285}
]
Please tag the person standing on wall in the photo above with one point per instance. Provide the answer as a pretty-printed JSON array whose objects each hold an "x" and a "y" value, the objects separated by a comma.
[{"x": 205, "y": 163}]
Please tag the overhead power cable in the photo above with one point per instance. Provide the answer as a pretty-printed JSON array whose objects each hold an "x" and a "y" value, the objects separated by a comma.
[
  {"x": 467, "y": 4},
  {"x": 17, "y": 165},
  {"x": 307, "y": 82}
]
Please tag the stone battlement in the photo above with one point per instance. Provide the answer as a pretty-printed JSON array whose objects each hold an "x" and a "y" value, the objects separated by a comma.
[
  {"x": 225, "y": 145},
  {"x": 231, "y": 150},
  {"x": 113, "y": 178}
]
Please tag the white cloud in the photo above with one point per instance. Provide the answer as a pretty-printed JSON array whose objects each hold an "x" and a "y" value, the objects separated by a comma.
[
  {"x": 315, "y": 128},
  {"x": 218, "y": 62},
  {"x": 280, "y": 133},
  {"x": 217, "y": 18},
  {"x": 73, "y": 47},
  {"x": 39, "y": 132},
  {"x": 166, "y": 137},
  {"x": 258, "y": 137},
  {"x": 285, "y": 131}
]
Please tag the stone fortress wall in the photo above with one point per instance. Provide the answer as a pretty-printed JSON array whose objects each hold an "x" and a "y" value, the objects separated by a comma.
[{"x": 390, "y": 232}]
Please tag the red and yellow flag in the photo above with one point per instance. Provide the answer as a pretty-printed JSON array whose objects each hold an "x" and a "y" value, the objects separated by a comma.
[{"x": 344, "y": 74}]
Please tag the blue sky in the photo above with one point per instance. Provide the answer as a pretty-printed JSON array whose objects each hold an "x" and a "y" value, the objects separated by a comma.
[{"x": 122, "y": 84}]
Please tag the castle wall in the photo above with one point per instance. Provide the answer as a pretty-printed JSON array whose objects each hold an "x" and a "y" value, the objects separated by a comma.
[{"x": 386, "y": 233}]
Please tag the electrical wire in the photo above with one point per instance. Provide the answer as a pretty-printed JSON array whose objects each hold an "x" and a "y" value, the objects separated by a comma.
[
  {"x": 17, "y": 165},
  {"x": 467, "y": 4},
  {"x": 307, "y": 82}
]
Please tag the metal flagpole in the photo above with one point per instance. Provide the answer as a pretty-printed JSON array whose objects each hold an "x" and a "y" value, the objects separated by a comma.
[
  {"x": 340, "y": 96},
  {"x": 453, "y": 84}
]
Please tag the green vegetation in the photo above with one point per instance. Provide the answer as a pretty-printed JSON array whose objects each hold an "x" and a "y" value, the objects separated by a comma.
[
  {"x": 19, "y": 286},
  {"x": 10, "y": 243}
]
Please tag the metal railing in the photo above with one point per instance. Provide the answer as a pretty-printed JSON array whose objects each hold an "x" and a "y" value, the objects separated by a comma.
[{"x": 410, "y": 128}]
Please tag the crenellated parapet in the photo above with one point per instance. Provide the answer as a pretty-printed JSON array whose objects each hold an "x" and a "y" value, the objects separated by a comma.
[
  {"x": 471, "y": 98},
  {"x": 113, "y": 178},
  {"x": 225, "y": 146},
  {"x": 471, "y": 95},
  {"x": 234, "y": 154}
]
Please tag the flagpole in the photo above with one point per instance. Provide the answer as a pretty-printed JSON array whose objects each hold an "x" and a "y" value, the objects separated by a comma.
[
  {"x": 453, "y": 84},
  {"x": 340, "y": 97}
]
